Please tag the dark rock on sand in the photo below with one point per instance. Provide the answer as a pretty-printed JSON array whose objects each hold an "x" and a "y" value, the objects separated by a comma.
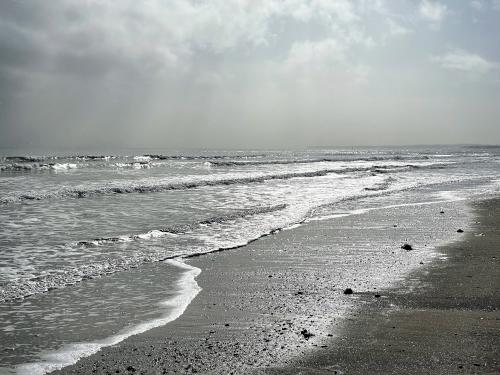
[
  {"x": 348, "y": 291},
  {"x": 460, "y": 231},
  {"x": 306, "y": 334},
  {"x": 407, "y": 247}
]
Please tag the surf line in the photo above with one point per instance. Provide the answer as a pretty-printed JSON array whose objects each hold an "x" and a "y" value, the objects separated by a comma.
[{"x": 187, "y": 290}]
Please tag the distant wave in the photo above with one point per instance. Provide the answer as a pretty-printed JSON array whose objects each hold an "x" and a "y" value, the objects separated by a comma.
[
  {"x": 233, "y": 163},
  {"x": 202, "y": 157},
  {"x": 38, "y": 166},
  {"x": 162, "y": 185},
  {"x": 407, "y": 167},
  {"x": 24, "y": 159},
  {"x": 57, "y": 163},
  {"x": 134, "y": 165},
  {"x": 34, "y": 159}
]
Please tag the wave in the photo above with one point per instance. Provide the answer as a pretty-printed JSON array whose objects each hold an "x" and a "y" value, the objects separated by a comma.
[
  {"x": 384, "y": 185},
  {"x": 179, "y": 229},
  {"x": 43, "y": 283},
  {"x": 202, "y": 157},
  {"x": 38, "y": 167},
  {"x": 134, "y": 165},
  {"x": 24, "y": 288},
  {"x": 33, "y": 159},
  {"x": 236, "y": 163},
  {"x": 162, "y": 185},
  {"x": 408, "y": 167},
  {"x": 24, "y": 159},
  {"x": 48, "y": 163}
]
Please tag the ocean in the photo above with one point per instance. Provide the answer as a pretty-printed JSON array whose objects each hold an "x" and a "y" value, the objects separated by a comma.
[{"x": 104, "y": 239}]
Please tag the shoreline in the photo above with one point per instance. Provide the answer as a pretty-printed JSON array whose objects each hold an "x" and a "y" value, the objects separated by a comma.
[
  {"x": 230, "y": 333},
  {"x": 71, "y": 353}
]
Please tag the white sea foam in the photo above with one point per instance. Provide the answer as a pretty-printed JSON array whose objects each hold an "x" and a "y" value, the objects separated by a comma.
[
  {"x": 447, "y": 199},
  {"x": 63, "y": 166},
  {"x": 153, "y": 234},
  {"x": 150, "y": 185},
  {"x": 142, "y": 158},
  {"x": 188, "y": 288}
]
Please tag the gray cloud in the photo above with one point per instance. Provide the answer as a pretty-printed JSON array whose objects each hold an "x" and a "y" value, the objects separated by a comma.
[{"x": 238, "y": 73}]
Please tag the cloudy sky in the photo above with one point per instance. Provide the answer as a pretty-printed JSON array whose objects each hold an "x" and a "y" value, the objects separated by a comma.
[{"x": 248, "y": 73}]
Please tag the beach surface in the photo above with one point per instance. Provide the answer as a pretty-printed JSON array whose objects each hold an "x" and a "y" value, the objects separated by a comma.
[
  {"x": 448, "y": 324},
  {"x": 278, "y": 305}
]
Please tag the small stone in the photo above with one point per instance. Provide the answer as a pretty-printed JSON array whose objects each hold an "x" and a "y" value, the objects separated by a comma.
[
  {"x": 407, "y": 247},
  {"x": 226, "y": 325},
  {"x": 377, "y": 295},
  {"x": 131, "y": 369},
  {"x": 348, "y": 291},
  {"x": 441, "y": 212},
  {"x": 306, "y": 334},
  {"x": 460, "y": 231}
]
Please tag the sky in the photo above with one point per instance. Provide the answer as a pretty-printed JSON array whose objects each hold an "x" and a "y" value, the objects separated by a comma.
[{"x": 248, "y": 73}]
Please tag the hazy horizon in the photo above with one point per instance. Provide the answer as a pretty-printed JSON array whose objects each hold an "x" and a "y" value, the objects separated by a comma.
[{"x": 248, "y": 74}]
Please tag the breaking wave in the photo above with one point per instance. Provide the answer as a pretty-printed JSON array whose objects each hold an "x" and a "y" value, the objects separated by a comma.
[
  {"x": 40, "y": 284},
  {"x": 179, "y": 229},
  {"x": 165, "y": 185},
  {"x": 233, "y": 163},
  {"x": 25, "y": 167}
]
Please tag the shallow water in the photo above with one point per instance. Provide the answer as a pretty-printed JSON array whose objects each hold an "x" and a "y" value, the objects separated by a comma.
[{"x": 75, "y": 218}]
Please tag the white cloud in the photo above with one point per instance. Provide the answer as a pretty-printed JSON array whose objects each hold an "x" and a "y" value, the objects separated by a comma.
[
  {"x": 433, "y": 12},
  {"x": 396, "y": 29},
  {"x": 477, "y": 4},
  {"x": 343, "y": 10},
  {"x": 315, "y": 54},
  {"x": 324, "y": 63},
  {"x": 464, "y": 61}
]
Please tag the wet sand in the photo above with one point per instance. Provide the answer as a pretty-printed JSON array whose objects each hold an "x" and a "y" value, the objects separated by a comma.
[
  {"x": 277, "y": 306},
  {"x": 450, "y": 324}
]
